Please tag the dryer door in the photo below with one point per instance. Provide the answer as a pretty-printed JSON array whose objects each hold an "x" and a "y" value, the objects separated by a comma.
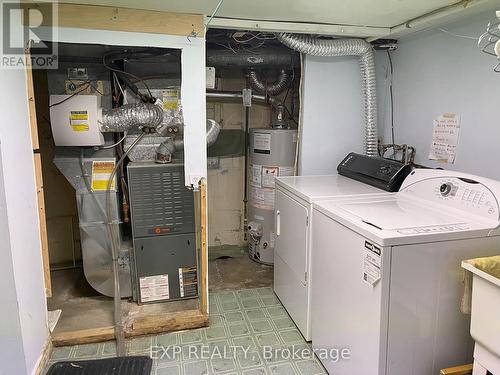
[
  {"x": 290, "y": 260},
  {"x": 291, "y": 234}
]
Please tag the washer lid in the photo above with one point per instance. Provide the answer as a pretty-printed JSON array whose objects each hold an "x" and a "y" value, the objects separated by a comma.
[{"x": 394, "y": 213}]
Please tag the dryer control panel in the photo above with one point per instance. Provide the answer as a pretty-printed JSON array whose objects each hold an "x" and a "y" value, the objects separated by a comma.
[{"x": 463, "y": 192}]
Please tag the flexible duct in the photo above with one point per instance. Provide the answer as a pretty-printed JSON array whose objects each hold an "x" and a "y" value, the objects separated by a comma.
[
  {"x": 130, "y": 115},
  {"x": 169, "y": 146},
  {"x": 271, "y": 89},
  {"x": 346, "y": 47}
]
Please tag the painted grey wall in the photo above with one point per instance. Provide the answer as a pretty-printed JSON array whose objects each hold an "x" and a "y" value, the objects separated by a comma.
[
  {"x": 333, "y": 122},
  {"x": 24, "y": 313},
  {"x": 434, "y": 73}
]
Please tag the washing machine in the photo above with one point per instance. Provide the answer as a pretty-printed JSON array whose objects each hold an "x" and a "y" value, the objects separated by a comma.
[
  {"x": 293, "y": 214},
  {"x": 387, "y": 282}
]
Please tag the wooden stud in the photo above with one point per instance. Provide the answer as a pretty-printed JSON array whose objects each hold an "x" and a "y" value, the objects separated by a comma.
[
  {"x": 167, "y": 322},
  {"x": 121, "y": 19},
  {"x": 44, "y": 359},
  {"x": 145, "y": 325},
  {"x": 43, "y": 224},
  {"x": 203, "y": 248},
  {"x": 83, "y": 336},
  {"x": 458, "y": 370},
  {"x": 31, "y": 101}
]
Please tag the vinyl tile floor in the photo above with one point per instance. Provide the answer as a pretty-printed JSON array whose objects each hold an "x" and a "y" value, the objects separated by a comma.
[{"x": 250, "y": 333}]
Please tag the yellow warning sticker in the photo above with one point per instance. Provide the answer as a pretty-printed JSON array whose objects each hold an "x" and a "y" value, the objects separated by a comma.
[
  {"x": 79, "y": 121},
  {"x": 101, "y": 173},
  {"x": 171, "y": 99}
]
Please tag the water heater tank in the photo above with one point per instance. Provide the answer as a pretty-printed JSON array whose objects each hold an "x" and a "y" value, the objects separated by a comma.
[{"x": 271, "y": 154}]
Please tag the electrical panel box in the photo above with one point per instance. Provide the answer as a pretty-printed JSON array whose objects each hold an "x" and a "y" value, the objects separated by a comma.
[
  {"x": 164, "y": 258},
  {"x": 74, "y": 120}
]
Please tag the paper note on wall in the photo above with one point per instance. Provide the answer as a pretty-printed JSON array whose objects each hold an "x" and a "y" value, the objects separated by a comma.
[{"x": 445, "y": 138}]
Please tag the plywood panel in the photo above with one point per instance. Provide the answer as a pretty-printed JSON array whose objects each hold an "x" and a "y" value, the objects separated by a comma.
[{"x": 122, "y": 19}]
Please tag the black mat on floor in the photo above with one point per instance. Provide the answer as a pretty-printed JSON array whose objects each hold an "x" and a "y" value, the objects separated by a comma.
[{"x": 108, "y": 366}]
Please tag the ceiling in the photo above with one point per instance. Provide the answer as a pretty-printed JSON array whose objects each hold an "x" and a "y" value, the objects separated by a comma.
[{"x": 385, "y": 14}]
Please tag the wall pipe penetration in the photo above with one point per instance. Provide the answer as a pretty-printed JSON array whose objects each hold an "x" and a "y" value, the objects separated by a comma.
[{"x": 346, "y": 47}]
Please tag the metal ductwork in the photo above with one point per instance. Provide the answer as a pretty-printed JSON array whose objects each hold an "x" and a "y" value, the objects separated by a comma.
[
  {"x": 170, "y": 145},
  {"x": 346, "y": 47},
  {"x": 130, "y": 115},
  {"x": 267, "y": 58},
  {"x": 273, "y": 88}
]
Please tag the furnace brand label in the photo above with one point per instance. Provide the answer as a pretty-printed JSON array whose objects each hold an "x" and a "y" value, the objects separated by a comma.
[
  {"x": 154, "y": 288},
  {"x": 372, "y": 264},
  {"x": 101, "y": 173}
]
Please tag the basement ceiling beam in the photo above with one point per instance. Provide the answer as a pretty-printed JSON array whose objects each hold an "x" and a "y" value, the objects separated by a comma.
[{"x": 299, "y": 27}]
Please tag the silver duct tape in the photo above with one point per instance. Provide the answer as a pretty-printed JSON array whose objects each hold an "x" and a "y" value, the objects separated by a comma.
[
  {"x": 346, "y": 47},
  {"x": 273, "y": 88},
  {"x": 131, "y": 115}
]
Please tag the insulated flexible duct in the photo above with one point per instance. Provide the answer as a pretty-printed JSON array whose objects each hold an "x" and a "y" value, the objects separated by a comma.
[
  {"x": 346, "y": 47},
  {"x": 271, "y": 89},
  {"x": 130, "y": 115}
]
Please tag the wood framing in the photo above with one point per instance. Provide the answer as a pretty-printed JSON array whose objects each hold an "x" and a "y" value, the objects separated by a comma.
[
  {"x": 98, "y": 17},
  {"x": 44, "y": 359},
  {"x": 44, "y": 244},
  {"x": 83, "y": 336},
  {"x": 43, "y": 224},
  {"x": 31, "y": 100},
  {"x": 144, "y": 325},
  {"x": 458, "y": 370},
  {"x": 203, "y": 248}
]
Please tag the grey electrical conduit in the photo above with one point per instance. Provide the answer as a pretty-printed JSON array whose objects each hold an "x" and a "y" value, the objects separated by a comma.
[{"x": 346, "y": 47}]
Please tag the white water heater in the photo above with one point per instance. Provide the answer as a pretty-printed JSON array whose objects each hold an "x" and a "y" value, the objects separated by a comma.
[{"x": 271, "y": 154}]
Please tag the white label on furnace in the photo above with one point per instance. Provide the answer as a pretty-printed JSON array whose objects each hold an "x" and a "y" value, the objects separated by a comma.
[
  {"x": 287, "y": 171},
  {"x": 268, "y": 176},
  {"x": 262, "y": 141},
  {"x": 154, "y": 288},
  {"x": 372, "y": 264},
  {"x": 256, "y": 175}
]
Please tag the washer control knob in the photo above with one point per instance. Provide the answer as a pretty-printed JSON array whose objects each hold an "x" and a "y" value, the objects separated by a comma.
[{"x": 445, "y": 189}]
